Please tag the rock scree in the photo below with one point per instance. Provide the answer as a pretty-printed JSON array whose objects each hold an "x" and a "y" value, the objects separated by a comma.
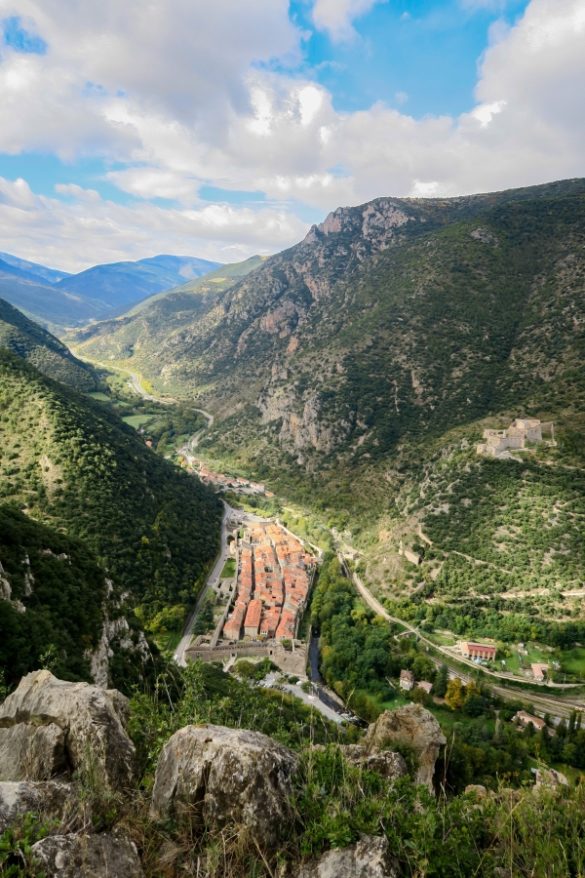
[
  {"x": 415, "y": 727},
  {"x": 220, "y": 776}
]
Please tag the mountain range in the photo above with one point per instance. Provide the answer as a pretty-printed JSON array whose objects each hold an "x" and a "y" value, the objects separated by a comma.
[
  {"x": 392, "y": 321},
  {"x": 58, "y": 299}
]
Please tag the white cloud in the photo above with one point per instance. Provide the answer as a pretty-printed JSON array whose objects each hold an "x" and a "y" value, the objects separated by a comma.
[
  {"x": 178, "y": 107},
  {"x": 337, "y": 16},
  {"x": 85, "y": 229}
]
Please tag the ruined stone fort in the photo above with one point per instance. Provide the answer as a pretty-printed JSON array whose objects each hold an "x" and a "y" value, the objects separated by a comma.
[{"x": 521, "y": 433}]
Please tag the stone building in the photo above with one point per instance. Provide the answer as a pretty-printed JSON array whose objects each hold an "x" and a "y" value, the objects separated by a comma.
[{"x": 520, "y": 433}]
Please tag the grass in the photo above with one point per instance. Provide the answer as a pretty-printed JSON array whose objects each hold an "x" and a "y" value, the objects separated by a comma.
[
  {"x": 229, "y": 569},
  {"x": 138, "y": 421},
  {"x": 169, "y": 642},
  {"x": 535, "y": 653},
  {"x": 573, "y": 661}
]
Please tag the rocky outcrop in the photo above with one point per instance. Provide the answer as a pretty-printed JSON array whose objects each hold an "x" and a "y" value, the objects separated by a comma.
[
  {"x": 220, "y": 776},
  {"x": 87, "y": 856},
  {"x": 414, "y": 727},
  {"x": 386, "y": 763},
  {"x": 53, "y": 801},
  {"x": 29, "y": 751},
  {"x": 50, "y": 728},
  {"x": 369, "y": 858}
]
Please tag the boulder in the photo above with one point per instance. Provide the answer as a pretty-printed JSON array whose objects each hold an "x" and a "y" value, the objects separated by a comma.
[
  {"x": 49, "y": 728},
  {"x": 386, "y": 763},
  {"x": 415, "y": 727},
  {"x": 369, "y": 858},
  {"x": 477, "y": 790},
  {"x": 222, "y": 776},
  {"x": 87, "y": 856},
  {"x": 32, "y": 752},
  {"x": 53, "y": 801}
]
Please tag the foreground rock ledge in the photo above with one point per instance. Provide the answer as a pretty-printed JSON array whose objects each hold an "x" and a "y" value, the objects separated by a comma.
[
  {"x": 220, "y": 776},
  {"x": 88, "y": 856},
  {"x": 369, "y": 858},
  {"x": 51, "y": 800},
  {"x": 412, "y": 726},
  {"x": 52, "y": 728}
]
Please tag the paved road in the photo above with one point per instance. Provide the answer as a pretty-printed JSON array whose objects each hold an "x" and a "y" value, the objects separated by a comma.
[{"x": 179, "y": 655}]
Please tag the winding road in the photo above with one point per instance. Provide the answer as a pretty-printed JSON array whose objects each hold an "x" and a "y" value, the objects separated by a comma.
[{"x": 545, "y": 703}]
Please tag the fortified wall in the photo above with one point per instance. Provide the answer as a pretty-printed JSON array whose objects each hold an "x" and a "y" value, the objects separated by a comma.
[{"x": 521, "y": 433}]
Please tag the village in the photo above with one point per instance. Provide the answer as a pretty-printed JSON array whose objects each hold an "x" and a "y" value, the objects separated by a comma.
[
  {"x": 274, "y": 575},
  {"x": 259, "y": 598}
]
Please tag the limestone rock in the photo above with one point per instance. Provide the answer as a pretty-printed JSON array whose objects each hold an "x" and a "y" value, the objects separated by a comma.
[
  {"x": 386, "y": 763},
  {"x": 49, "y": 727},
  {"x": 32, "y": 752},
  {"x": 414, "y": 726},
  {"x": 88, "y": 856},
  {"x": 477, "y": 790},
  {"x": 369, "y": 858},
  {"x": 53, "y": 800},
  {"x": 230, "y": 775}
]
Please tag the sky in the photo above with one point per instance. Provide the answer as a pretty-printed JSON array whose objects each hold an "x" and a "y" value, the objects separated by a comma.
[{"x": 223, "y": 129}]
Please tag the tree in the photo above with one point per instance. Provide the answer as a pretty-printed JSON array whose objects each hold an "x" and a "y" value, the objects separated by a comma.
[
  {"x": 441, "y": 681},
  {"x": 455, "y": 694}
]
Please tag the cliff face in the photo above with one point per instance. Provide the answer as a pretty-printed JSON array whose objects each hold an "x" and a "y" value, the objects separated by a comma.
[{"x": 398, "y": 318}]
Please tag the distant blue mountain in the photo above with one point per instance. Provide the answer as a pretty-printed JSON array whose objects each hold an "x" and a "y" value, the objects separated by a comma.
[
  {"x": 121, "y": 284},
  {"x": 31, "y": 270},
  {"x": 59, "y": 300}
]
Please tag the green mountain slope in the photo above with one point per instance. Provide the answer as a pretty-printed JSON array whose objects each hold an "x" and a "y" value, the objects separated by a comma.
[
  {"x": 53, "y": 593},
  {"x": 34, "y": 344},
  {"x": 72, "y": 464},
  {"x": 500, "y": 541},
  {"x": 146, "y": 332},
  {"x": 399, "y": 318},
  {"x": 46, "y": 303}
]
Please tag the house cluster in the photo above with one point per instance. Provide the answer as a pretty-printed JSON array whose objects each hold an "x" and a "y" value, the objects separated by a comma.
[
  {"x": 521, "y": 433},
  {"x": 477, "y": 652},
  {"x": 408, "y": 682},
  {"x": 273, "y": 581},
  {"x": 231, "y": 483}
]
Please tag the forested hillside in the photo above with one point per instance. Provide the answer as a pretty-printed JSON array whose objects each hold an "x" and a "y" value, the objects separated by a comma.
[
  {"x": 53, "y": 594},
  {"x": 30, "y": 341},
  {"x": 71, "y": 463}
]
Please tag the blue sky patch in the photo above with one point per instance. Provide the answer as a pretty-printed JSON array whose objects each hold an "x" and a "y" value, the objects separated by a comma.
[{"x": 19, "y": 39}]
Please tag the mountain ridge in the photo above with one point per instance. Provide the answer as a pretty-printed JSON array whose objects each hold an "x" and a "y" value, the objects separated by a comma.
[{"x": 391, "y": 318}]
